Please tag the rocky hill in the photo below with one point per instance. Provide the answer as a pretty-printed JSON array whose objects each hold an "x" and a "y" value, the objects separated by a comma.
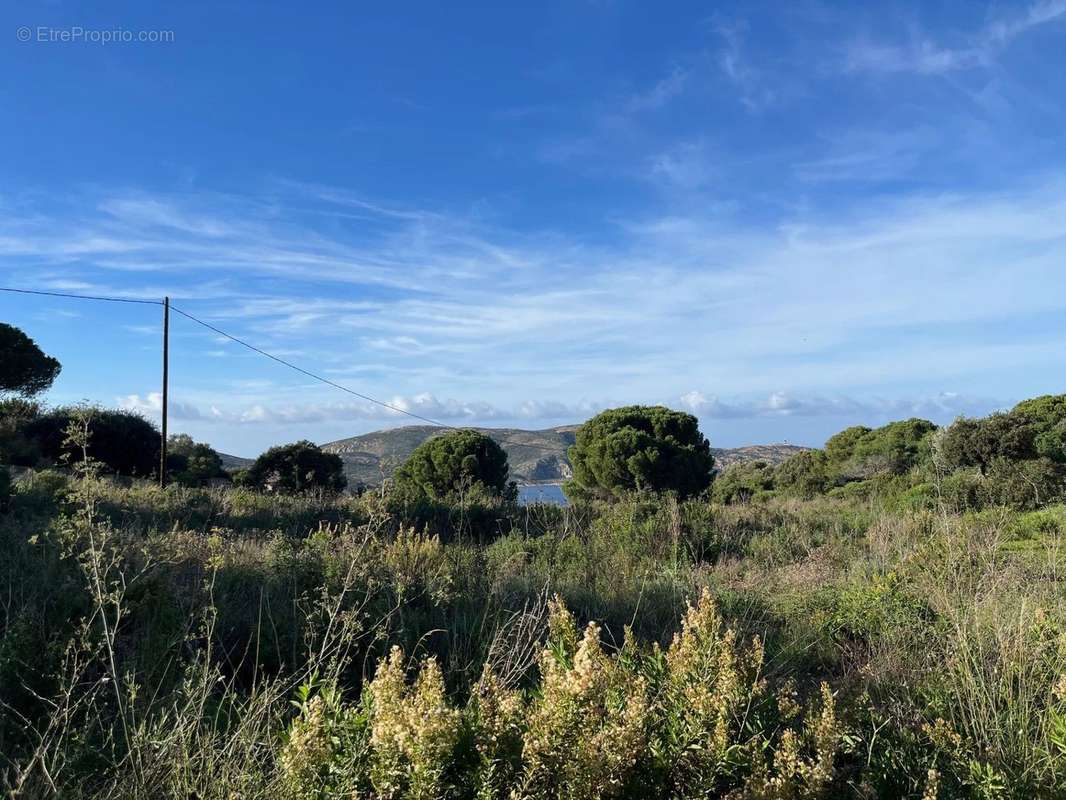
[
  {"x": 534, "y": 456},
  {"x": 230, "y": 463}
]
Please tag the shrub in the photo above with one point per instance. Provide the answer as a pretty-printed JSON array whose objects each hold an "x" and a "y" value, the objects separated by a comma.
[
  {"x": 1025, "y": 485},
  {"x": 979, "y": 442},
  {"x": 894, "y": 448},
  {"x": 803, "y": 475},
  {"x": 5, "y": 488},
  {"x": 740, "y": 483},
  {"x": 16, "y": 446},
  {"x": 639, "y": 448},
  {"x": 840, "y": 448},
  {"x": 297, "y": 468},
  {"x": 123, "y": 442},
  {"x": 192, "y": 463}
]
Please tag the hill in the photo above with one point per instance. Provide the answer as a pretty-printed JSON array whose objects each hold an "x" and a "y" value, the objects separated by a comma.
[
  {"x": 230, "y": 463},
  {"x": 535, "y": 456}
]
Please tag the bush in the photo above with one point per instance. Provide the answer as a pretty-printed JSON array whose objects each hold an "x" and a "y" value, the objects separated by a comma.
[
  {"x": 741, "y": 483},
  {"x": 698, "y": 720},
  {"x": 979, "y": 442},
  {"x": 639, "y": 448},
  {"x": 17, "y": 447},
  {"x": 123, "y": 442},
  {"x": 803, "y": 475},
  {"x": 894, "y": 448},
  {"x": 296, "y": 468},
  {"x": 192, "y": 463},
  {"x": 1025, "y": 485}
]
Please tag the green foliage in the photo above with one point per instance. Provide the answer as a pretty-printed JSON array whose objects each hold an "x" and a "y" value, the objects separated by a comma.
[
  {"x": 873, "y": 644},
  {"x": 16, "y": 445},
  {"x": 743, "y": 482},
  {"x": 295, "y": 468},
  {"x": 977, "y": 443},
  {"x": 840, "y": 448},
  {"x": 447, "y": 465},
  {"x": 639, "y": 448},
  {"x": 873, "y": 610},
  {"x": 805, "y": 474},
  {"x": 1044, "y": 412},
  {"x": 192, "y": 463},
  {"x": 24, "y": 368},
  {"x": 894, "y": 448},
  {"x": 123, "y": 442},
  {"x": 860, "y": 453},
  {"x": 1052, "y": 443},
  {"x": 5, "y": 487},
  {"x": 1047, "y": 415},
  {"x": 1024, "y": 485}
]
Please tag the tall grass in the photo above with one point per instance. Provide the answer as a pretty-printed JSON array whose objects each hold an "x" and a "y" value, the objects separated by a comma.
[{"x": 218, "y": 643}]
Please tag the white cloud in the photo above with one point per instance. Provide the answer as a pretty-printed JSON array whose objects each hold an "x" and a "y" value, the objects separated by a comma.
[
  {"x": 426, "y": 406},
  {"x": 945, "y": 405},
  {"x": 869, "y": 155},
  {"x": 925, "y": 56},
  {"x": 404, "y": 410},
  {"x": 686, "y": 165},
  {"x": 814, "y": 305},
  {"x": 670, "y": 87},
  {"x": 754, "y": 91}
]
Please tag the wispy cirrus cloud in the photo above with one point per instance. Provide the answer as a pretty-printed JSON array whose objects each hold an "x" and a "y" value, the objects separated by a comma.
[
  {"x": 661, "y": 93},
  {"x": 550, "y": 309},
  {"x": 903, "y": 297},
  {"x": 924, "y": 55},
  {"x": 754, "y": 90}
]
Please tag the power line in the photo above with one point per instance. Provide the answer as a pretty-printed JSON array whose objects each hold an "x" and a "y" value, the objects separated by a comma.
[
  {"x": 83, "y": 296},
  {"x": 282, "y": 361},
  {"x": 335, "y": 385},
  {"x": 309, "y": 374}
]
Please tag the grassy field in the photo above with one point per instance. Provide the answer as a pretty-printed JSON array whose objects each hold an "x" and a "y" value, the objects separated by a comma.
[{"x": 226, "y": 644}]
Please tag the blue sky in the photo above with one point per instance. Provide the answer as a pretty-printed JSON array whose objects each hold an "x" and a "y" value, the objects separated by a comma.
[{"x": 785, "y": 218}]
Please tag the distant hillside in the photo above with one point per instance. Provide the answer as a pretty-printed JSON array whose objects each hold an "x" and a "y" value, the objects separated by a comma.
[
  {"x": 230, "y": 463},
  {"x": 770, "y": 453},
  {"x": 534, "y": 456}
]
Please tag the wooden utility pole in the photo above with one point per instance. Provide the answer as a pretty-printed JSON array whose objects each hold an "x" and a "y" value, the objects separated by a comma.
[{"x": 166, "y": 375}]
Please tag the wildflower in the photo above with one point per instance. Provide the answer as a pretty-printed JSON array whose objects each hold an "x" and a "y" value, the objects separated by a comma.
[{"x": 413, "y": 732}]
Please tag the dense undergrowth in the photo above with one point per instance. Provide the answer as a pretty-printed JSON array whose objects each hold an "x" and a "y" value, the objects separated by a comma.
[{"x": 223, "y": 643}]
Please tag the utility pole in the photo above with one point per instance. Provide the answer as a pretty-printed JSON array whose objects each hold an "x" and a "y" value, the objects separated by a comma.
[{"x": 166, "y": 375}]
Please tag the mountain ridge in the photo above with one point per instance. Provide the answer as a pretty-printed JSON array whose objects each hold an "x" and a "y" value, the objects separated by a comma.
[{"x": 535, "y": 456}]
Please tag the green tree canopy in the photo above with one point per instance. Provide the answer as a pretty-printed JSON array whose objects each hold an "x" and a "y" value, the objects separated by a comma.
[
  {"x": 894, "y": 448},
  {"x": 1044, "y": 412},
  {"x": 122, "y": 441},
  {"x": 969, "y": 442},
  {"x": 24, "y": 368},
  {"x": 1047, "y": 416},
  {"x": 804, "y": 475},
  {"x": 446, "y": 463},
  {"x": 192, "y": 463},
  {"x": 295, "y": 468},
  {"x": 840, "y": 447},
  {"x": 640, "y": 448}
]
